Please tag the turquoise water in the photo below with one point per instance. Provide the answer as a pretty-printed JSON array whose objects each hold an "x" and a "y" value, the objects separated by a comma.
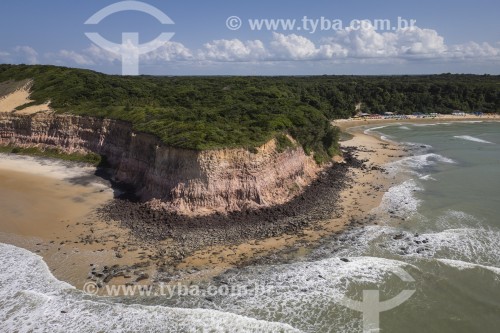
[
  {"x": 439, "y": 224},
  {"x": 471, "y": 184}
]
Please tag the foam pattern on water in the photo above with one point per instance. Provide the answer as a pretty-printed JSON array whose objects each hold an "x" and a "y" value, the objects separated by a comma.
[
  {"x": 400, "y": 200},
  {"x": 427, "y": 177},
  {"x": 472, "y": 138},
  {"x": 462, "y": 265},
  {"x": 307, "y": 294},
  {"x": 474, "y": 245},
  {"x": 32, "y": 300},
  {"x": 416, "y": 163},
  {"x": 453, "y": 219},
  {"x": 373, "y": 129},
  {"x": 425, "y": 125}
]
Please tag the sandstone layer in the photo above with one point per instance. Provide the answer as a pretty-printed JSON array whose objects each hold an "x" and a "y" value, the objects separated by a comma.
[{"x": 187, "y": 181}]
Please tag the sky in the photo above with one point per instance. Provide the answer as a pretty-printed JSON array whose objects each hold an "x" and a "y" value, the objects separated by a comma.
[{"x": 222, "y": 37}]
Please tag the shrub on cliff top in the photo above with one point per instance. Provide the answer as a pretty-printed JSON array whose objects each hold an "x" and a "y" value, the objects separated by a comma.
[{"x": 214, "y": 112}]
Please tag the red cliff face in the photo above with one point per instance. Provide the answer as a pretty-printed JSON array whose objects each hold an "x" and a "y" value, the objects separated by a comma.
[{"x": 190, "y": 182}]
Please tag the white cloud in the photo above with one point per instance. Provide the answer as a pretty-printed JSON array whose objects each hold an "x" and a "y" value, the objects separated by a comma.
[
  {"x": 20, "y": 55},
  {"x": 362, "y": 43},
  {"x": 99, "y": 55},
  {"x": 293, "y": 47},
  {"x": 75, "y": 57},
  {"x": 4, "y": 57},
  {"x": 368, "y": 43},
  {"x": 233, "y": 50},
  {"x": 365, "y": 44},
  {"x": 472, "y": 50},
  {"x": 349, "y": 46},
  {"x": 93, "y": 55},
  {"x": 26, "y": 53},
  {"x": 169, "y": 51},
  {"x": 416, "y": 41}
]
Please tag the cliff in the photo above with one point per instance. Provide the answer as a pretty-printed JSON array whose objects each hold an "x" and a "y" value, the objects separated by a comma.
[{"x": 187, "y": 181}]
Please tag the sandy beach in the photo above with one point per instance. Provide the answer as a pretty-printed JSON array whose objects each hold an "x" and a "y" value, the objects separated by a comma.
[
  {"x": 50, "y": 213},
  {"x": 48, "y": 208},
  {"x": 344, "y": 124},
  {"x": 52, "y": 208}
]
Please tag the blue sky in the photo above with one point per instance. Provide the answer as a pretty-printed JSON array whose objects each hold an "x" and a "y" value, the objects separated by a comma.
[{"x": 449, "y": 36}]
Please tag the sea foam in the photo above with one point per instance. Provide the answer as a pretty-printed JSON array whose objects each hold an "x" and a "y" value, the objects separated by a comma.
[
  {"x": 400, "y": 200},
  {"x": 475, "y": 245},
  {"x": 31, "y": 299},
  {"x": 303, "y": 296},
  {"x": 415, "y": 163},
  {"x": 372, "y": 129},
  {"x": 472, "y": 138},
  {"x": 302, "y": 291},
  {"x": 462, "y": 265}
]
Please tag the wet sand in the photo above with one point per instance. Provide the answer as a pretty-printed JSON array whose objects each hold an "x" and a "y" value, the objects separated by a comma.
[
  {"x": 56, "y": 218},
  {"x": 47, "y": 208},
  {"x": 37, "y": 206}
]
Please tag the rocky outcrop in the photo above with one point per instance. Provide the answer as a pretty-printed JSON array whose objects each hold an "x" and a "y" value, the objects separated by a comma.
[{"x": 186, "y": 181}]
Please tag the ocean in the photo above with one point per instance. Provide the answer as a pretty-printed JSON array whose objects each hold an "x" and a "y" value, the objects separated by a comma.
[{"x": 437, "y": 237}]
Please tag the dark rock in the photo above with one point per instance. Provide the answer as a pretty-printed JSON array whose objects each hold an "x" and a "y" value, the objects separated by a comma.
[
  {"x": 398, "y": 236},
  {"x": 108, "y": 278},
  {"x": 141, "y": 277}
]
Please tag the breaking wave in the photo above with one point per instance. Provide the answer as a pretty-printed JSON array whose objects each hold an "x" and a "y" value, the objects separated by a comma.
[
  {"x": 472, "y": 138},
  {"x": 32, "y": 299}
]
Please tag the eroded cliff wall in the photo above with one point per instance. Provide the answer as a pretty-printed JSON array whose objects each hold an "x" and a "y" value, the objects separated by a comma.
[{"x": 187, "y": 181}]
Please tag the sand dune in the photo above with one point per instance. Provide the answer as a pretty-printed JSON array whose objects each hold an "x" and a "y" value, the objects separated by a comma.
[{"x": 21, "y": 96}]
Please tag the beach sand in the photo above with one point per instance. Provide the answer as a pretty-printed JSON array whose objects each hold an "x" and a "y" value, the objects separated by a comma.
[
  {"x": 344, "y": 124},
  {"x": 48, "y": 208},
  {"x": 20, "y": 97},
  {"x": 46, "y": 211}
]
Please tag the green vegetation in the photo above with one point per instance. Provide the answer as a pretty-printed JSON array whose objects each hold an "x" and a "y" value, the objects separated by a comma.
[
  {"x": 89, "y": 158},
  {"x": 283, "y": 143},
  {"x": 213, "y": 112},
  {"x": 7, "y": 87}
]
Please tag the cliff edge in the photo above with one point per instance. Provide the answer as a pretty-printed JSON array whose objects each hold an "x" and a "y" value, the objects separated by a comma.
[{"x": 189, "y": 182}]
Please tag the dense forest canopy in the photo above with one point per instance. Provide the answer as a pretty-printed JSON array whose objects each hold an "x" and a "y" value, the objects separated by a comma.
[{"x": 213, "y": 112}]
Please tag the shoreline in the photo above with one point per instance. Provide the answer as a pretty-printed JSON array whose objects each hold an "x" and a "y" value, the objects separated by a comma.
[
  {"x": 94, "y": 244},
  {"x": 345, "y": 124}
]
